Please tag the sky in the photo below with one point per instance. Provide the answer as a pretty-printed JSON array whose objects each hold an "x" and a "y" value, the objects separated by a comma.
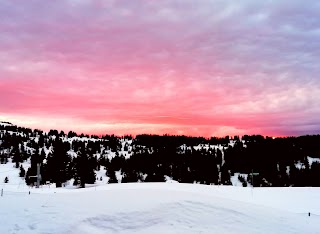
[{"x": 201, "y": 68}]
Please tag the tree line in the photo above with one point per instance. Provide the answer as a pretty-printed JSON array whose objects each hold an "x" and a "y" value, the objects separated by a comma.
[{"x": 153, "y": 158}]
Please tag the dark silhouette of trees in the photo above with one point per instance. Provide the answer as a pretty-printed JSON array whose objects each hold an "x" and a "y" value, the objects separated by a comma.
[
  {"x": 84, "y": 168},
  {"x": 275, "y": 162},
  {"x": 58, "y": 167},
  {"x": 22, "y": 172}
]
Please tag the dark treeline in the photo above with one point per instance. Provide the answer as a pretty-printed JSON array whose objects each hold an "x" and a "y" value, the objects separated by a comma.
[{"x": 151, "y": 158}]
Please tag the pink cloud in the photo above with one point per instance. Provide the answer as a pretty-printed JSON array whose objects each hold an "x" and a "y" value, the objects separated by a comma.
[{"x": 161, "y": 67}]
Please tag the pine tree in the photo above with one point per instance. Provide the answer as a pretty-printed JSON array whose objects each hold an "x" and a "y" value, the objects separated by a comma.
[
  {"x": 43, "y": 154},
  {"x": 22, "y": 171},
  {"x": 112, "y": 177},
  {"x": 58, "y": 168},
  {"x": 225, "y": 176},
  {"x": 6, "y": 180},
  {"x": 219, "y": 157},
  {"x": 17, "y": 157},
  {"x": 30, "y": 176},
  {"x": 244, "y": 183},
  {"x": 155, "y": 177},
  {"x": 84, "y": 168}
]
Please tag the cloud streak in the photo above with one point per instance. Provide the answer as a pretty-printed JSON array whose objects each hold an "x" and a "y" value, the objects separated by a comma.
[{"x": 211, "y": 68}]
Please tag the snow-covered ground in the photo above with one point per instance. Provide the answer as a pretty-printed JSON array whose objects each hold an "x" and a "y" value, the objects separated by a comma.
[
  {"x": 160, "y": 208},
  {"x": 12, "y": 173}
]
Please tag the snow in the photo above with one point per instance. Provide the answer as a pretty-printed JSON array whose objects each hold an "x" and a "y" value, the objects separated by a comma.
[
  {"x": 235, "y": 180},
  {"x": 170, "y": 180},
  {"x": 5, "y": 124},
  {"x": 161, "y": 208},
  {"x": 119, "y": 176},
  {"x": 313, "y": 160},
  {"x": 83, "y": 139},
  {"x": 169, "y": 207},
  {"x": 72, "y": 153},
  {"x": 300, "y": 165},
  {"x": 9, "y": 170},
  {"x": 207, "y": 146},
  {"x": 102, "y": 174}
]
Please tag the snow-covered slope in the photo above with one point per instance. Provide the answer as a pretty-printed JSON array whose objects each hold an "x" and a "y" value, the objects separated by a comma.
[
  {"x": 12, "y": 173},
  {"x": 154, "y": 208},
  {"x": 160, "y": 208}
]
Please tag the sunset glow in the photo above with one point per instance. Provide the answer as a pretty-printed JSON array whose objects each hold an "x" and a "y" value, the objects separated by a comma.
[{"x": 179, "y": 67}]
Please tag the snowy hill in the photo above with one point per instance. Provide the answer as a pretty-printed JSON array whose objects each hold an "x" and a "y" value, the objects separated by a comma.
[
  {"x": 170, "y": 207},
  {"x": 161, "y": 208}
]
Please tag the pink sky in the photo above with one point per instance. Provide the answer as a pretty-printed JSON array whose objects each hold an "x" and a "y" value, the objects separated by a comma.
[{"x": 210, "y": 68}]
